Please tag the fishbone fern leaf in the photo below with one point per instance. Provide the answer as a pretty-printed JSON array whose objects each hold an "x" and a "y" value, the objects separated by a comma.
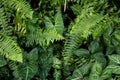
[
  {"x": 5, "y": 28},
  {"x": 80, "y": 31},
  {"x": 43, "y": 38},
  {"x": 9, "y": 48},
  {"x": 21, "y": 6},
  {"x": 58, "y": 26}
]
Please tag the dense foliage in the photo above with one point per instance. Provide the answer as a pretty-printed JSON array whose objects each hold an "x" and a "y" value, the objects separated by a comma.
[{"x": 59, "y": 40}]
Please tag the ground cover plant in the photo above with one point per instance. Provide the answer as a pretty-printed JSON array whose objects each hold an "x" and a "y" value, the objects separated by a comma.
[{"x": 59, "y": 40}]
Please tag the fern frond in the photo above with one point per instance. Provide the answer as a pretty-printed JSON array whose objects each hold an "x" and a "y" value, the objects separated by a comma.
[
  {"x": 21, "y": 6},
  {"x": 59, "y": 22},
  {"x": 101, "y": 27},
  {"x": 51, "y": 36},
  {"x": 20, "y": 25},
  {"x": 85, "y": 25},
  {"x": 5, "y": 28},
  {"x": 9, "y": 48},
  {"x": 80, "y": 31},
  {"x": 42, "y": 37},
  {"x": 13, "y": 66},
  {"x": 58, "y": 26}
]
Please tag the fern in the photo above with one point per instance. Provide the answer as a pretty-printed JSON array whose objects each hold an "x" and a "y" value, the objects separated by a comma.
[
  {"x": 13, "y": 66},
  {"x": 20, "y": 25},
  {"x": 9, "y": 48},
  {"x": 5, "y": 28},
  {"x": 56, "y": 29},
  {"x": 43, "y": 46},
  {"x": 42, "y": 37},
  {"x": 21, "y": 6},
  {"x": 80, "y": 31},
  {"x": 49, "y": 35},
  {"x": 58, "y": 26}
]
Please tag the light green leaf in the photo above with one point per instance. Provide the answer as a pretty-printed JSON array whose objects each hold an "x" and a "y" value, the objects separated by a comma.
[
  {"x": 57, "y": 63},
  {"x": 57, "y": 74},
  {"x": 114, "y": 58},
  {"x": 117, "y": 35},
  {"x": 10, "y": 48},
  {"x": 96, "y": 71},
  {"x": 106, "y": 73},
  {"x": 109, "y": 70}
]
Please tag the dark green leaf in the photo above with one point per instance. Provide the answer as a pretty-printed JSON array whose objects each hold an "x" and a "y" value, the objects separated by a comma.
[
  {"x": 82, "y": 52},
  {"x": 95, "y": 46},
  {"x": 2, "y": 61},
  {"x": 99, "y": 57},
  {"x": 27, "y": 70}
]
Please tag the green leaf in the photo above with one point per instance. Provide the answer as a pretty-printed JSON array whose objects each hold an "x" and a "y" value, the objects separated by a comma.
[
  {"x": 117, "y": 49},
  {"x": 117, "y": 35},
  {"x": 106, "y": 73},
  {"x": 100, "y": 28},
  {"x": 2, "y": 61},
  {"x": 77, "y": 74},
  {"x": 76, "y": 9},
  {"x": 109, "y": 70},
  {"x": 57, "y": 63},
  {"x": 114, "y": 58},
  {"x": 27, "y": 70},
  {"x": 107, "y": 36},
  {"x": 21, "y": 6},
  {"x": 10, "y": 48},
  {"x": 94, "y": 46},
  {"x": 59, "y": 25},
  {"x": 85, "y": 68},
  {"x": 45, "y": 62},
  {"x": 115, "y": 69},
  {"x": 33, "y": 55},
  {"x": 110, "y": 49},
  {"x": 96, "y": 71},
  {"x": 99, "y": 57},
  {"x": 29, "y": 67},
  {"x": 81, "y": 52},
  {"x": 48, "y": 23},
  {"x": 57, "y": 75}
]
